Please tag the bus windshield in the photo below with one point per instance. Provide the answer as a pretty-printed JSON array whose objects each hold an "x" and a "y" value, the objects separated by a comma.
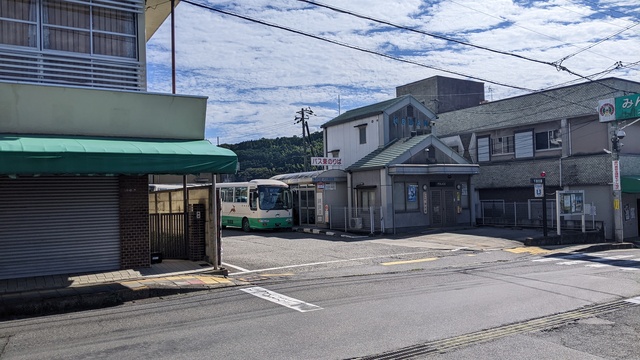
[{"x": 274, "y": 197}]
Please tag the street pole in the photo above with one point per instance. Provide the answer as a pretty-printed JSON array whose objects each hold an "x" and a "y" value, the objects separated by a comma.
[
  {"x": 618, "y": 222},
  {"x": 304, "y": 114},
  {"x": 544, "y": 206}
]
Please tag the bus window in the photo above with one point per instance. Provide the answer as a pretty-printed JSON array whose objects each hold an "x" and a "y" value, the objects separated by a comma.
[
  {"x": 274, "y": 198},
  {"x": 253, "y": 199},
  {"x": 241, "y": 195},
  {"x": 226, "y": 194}
]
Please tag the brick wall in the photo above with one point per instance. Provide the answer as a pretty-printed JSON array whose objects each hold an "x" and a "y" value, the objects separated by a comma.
[{"x": 134, "y": 222}]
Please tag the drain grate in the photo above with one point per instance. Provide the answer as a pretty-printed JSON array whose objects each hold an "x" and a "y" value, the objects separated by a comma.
[{"x": 539, "y": 324}]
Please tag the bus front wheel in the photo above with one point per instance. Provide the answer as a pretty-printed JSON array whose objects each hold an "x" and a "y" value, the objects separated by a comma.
[{"x": 245, "y": 225}]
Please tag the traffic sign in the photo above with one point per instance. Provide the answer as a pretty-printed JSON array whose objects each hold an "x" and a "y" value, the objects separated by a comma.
[
  {"x": 537, "y": 181},
  {"x": 538, "y": 190}
]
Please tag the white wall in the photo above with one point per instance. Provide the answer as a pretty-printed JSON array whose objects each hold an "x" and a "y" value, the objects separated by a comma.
[{"x": 346, "y": 138}]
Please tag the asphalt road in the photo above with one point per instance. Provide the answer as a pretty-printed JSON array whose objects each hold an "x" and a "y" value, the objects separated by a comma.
[{"x": 320, "y": 298}]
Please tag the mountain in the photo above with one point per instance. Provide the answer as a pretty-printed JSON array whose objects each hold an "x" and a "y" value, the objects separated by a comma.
[{"x": 264, "y": 158}]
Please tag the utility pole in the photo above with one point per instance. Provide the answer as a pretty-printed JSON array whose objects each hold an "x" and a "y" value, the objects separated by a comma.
[
  {"x": 302, "y": 117},
  {"x": 618, "y": 134}
]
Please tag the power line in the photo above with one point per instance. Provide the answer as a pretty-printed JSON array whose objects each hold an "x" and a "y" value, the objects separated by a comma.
[
  {"x": 353, "y": 47},
  {"x": 440, "y": 37},
  {"x": 557, "y": 64},
  {"x": 522, "y": 27},
  {"x": 540, "y": 92}
]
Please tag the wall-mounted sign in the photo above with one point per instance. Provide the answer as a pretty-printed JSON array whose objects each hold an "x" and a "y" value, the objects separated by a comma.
[
  {"x": 441, "y": 184},
  {"x": 620, "y": 108},
  {"x": 325, "y": 161}
]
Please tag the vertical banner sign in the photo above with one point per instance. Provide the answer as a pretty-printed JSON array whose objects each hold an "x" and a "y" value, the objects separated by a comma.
[{"x": 616, "y": 175}]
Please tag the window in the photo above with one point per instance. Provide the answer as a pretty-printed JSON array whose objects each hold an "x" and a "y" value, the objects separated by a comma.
[
  {"x": 503, "y": 145},
  {"x": 367, "y": 198},
  {"x": 18, "y": 23},
  {"x": 362, "y": 132},
  {"x": 483, "y": 149},
  {"x": 524, "y": 144},
  {"x": 405, "y": 197},
  {"x": 241, "y": 195},
  {"x": 226, "y": 194},
  {"x": 548, "y": 140},
  {"x": 88, "y": 29},
  {"x": 79, "y": 42}
]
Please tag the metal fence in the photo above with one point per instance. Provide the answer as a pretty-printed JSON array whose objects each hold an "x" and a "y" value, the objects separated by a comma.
[
  {"x": 166, "y": 235},
  {"x": 365, "y": 220},
  {"x": 527, "y": 214}
]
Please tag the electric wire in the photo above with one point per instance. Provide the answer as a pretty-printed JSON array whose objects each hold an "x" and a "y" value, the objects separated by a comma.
[{"x": 353, "y": 47}]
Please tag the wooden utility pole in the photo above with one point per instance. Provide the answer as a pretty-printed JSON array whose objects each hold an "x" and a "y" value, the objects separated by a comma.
[{"x": 302, "y": 119}]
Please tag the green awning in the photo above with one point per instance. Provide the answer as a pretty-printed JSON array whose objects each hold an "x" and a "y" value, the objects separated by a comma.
[
  {"x": 630, "y": 184},
  {"x": 58, "y": 155}
]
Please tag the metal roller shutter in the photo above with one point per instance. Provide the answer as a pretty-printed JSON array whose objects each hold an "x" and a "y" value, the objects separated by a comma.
[{"x": 58, "y": 225}]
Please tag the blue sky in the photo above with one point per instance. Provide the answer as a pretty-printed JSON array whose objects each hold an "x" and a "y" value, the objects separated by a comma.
[{"x": 257, "y": 76}]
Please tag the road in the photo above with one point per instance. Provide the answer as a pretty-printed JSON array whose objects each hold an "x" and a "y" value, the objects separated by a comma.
[{"x": 314, "y": 297}]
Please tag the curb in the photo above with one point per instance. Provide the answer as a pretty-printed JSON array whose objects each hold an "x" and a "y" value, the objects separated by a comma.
[
  {"x": 328, "y": 232},
  {"x": 59, "y": 301}
]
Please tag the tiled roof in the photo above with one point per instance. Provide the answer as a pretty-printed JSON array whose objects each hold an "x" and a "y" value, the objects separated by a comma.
[
  {"x": 566, "y": 102},
  {"x": 388, "y": 154},
  {"x": 365, "y": 111}
]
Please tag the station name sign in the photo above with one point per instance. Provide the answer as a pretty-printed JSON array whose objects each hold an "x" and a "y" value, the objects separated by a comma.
[{"x": 325, "y": 161}]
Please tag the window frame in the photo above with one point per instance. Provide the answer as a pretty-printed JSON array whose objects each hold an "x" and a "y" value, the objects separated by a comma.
[
  {"x": 43, "y": 26},
  {"x": 499, "y": 142},
  {"x": 362, "y": 133},
  {"x": 524, "y": 146},
  {"x": 483, "y": 150},
  {"x": 549, "y": 145}
]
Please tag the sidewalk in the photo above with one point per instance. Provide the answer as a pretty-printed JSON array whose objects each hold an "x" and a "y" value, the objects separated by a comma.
[{"x": 62, "y": 293}]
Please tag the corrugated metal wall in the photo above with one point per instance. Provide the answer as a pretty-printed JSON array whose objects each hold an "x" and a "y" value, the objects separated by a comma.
[{"x": 58, "y": 225}]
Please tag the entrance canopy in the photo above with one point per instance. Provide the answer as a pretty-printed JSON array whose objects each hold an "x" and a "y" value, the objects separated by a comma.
[
  {"x": 58, "y": 155},
  {"x": 630, "y": 184}
]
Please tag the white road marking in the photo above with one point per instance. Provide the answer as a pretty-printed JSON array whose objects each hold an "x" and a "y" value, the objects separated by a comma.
[
  {"x": 234, "y": 266},
  {"x": 242, "y": 272},
  {"x": 635, "y": 300},
  {"x": 572, "y": 262},
  {"x": 280, "y": 299},
  {"x": 461, "y": 248}
]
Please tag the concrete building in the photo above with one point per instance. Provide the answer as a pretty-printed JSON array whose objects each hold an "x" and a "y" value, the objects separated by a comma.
[
  {"x": 79, "y": 135},
  {"x": 557, "y": 132},
  {"x": 399, "y": 175}
]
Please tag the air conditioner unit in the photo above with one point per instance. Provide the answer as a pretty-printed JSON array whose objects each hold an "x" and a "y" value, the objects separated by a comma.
[{"x": 355, "y": 223}]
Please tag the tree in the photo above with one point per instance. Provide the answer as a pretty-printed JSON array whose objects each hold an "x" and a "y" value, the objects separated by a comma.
[{"x": 264, "y": 158}]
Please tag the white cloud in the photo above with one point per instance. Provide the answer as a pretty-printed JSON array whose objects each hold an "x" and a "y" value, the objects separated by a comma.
[{"x": 256, "y": 77}]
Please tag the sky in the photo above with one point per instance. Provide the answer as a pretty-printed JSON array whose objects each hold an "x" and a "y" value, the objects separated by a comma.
[{"x": 259, "y": 62}]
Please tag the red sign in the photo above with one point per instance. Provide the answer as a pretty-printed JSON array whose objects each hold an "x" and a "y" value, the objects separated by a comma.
[{"x": 616, "y": 176}]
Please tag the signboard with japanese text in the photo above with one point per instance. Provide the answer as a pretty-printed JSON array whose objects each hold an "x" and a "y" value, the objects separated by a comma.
[
  {"x": 325, "y": 161},
  {"x": 616, "y": 175},
  {"x": 571, "y": 202},
  {"x": 620, "y": 108}
]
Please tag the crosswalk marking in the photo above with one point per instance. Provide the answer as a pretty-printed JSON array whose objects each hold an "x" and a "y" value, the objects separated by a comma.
[
  {"x": 596, "y": 261},
  {"x": 280, "y": 299}
]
